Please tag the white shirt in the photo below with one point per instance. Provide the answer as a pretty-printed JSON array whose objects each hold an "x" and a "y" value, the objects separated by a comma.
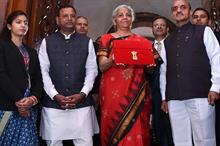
[
  {"x": 213, "y": 52},
  {"x": 59, "y": 124},
  {"x": 163, "y": 56}
]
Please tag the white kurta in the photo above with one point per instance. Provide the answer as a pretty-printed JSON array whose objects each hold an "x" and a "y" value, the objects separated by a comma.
[
  {"x": 68, "y": 124},
  {"x": 195, "y": 117},
  {"x": 213, "y": 51},
  {"x": 59, "y": 124}
]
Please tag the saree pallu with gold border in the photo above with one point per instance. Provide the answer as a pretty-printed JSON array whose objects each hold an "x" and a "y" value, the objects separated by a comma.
[{"x": 125, "y": 104}]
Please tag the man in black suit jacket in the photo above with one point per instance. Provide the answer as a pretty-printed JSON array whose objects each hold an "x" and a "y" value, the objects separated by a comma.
[{"x": 161, "y": 123}]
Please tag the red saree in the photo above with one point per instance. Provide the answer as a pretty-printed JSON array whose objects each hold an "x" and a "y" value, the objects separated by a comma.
[{"x": 125, "y": 102}]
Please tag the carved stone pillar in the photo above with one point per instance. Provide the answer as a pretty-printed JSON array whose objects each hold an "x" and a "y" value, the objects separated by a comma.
[
  {"x": 213, "y": 6},
  {"x": 43, "y": 19}
]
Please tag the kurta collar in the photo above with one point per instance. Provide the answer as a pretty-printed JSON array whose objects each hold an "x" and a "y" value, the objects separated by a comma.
[
  {"x": 184, "y": 27},
  {"x": 67, "y": 36}
]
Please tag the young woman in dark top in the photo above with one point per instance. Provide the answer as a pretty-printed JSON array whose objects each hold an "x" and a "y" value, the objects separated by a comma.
[{"x": 20, "y": 84}]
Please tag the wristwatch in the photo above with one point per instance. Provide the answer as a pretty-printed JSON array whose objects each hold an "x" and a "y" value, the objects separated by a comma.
[{"x": 83, "y": 94}]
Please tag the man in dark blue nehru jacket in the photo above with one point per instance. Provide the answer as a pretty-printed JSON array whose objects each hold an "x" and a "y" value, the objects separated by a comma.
[
  {"x": 68, "y": 66},
  {"x": 190, "y": 80}
]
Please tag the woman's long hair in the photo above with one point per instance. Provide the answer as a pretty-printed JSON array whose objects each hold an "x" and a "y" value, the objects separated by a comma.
[{"x": 6, "y": 33}]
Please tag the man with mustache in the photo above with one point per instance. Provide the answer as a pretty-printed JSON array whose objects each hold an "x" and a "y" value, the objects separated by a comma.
[
  {"x": 82, "y": 25},
  {"x": 201, "y": 16},
  {"x": 190, "y": 81},
  {"x": 68, "y": 66}
]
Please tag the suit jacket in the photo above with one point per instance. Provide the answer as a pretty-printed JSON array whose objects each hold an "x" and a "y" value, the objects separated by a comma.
[
  {"x": 217, "y": 34},
  {"x": 13, "y": 77}
]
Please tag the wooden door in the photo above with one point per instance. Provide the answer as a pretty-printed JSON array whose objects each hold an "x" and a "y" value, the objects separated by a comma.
[
  {"x": 3, "y": 6},
  {"x": 42, "y": 18},
  {"x": 41, "y": 15}
]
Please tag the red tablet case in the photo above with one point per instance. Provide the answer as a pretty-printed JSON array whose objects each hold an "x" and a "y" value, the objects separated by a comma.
[{"x": 133, "y": 52}]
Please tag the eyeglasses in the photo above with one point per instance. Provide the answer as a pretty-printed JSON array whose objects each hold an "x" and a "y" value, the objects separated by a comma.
[{"x": 182, "y": 7}]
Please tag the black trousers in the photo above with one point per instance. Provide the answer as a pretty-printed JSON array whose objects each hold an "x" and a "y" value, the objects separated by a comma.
[{"x": 161, "y": 124}]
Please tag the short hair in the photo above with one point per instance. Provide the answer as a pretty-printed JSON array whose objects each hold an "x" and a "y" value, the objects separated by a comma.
[
  {"x": 190, "y": 7},
  {"x": 65, "y": 6},
  {"x": 115, "y": 11},
  {"x": 187, "y": 1},
  {"x": 160, "y": 17},
  {"x": 78, "y": 17},
  {"x": 6, "y": 33},
  {"x": 201, "y": 9}
]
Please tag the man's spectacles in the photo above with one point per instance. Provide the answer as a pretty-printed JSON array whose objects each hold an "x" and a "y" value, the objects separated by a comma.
[{"x": 182, "y": 7}]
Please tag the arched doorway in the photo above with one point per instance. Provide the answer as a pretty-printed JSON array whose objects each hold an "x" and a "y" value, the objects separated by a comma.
[{"x": 142, "y": 24}]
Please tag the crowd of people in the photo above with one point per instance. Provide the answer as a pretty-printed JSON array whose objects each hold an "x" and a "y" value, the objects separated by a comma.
[{"x": 82, "y": 94}]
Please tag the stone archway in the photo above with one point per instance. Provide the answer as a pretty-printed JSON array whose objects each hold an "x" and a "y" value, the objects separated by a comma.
[{"x": 142, "y": 24}]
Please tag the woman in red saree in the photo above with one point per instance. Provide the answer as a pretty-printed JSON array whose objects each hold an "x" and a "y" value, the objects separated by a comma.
[{"x": 124, "y": 90}]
